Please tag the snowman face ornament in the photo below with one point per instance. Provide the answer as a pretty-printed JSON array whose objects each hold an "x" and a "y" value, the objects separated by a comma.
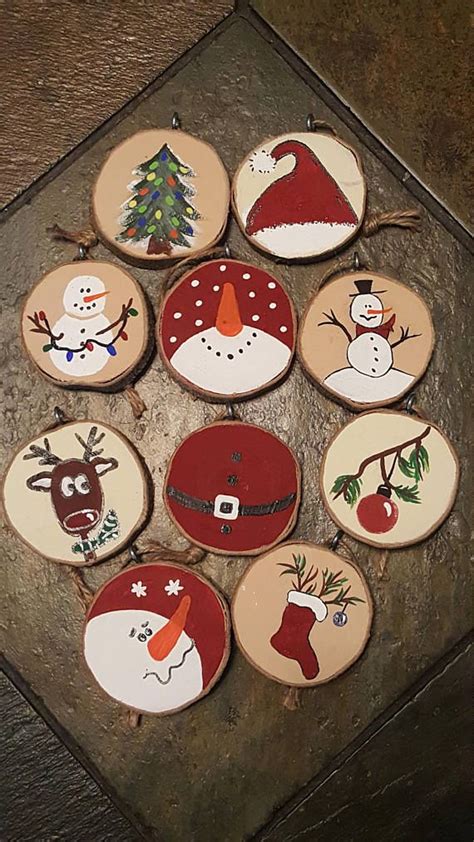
[
  {"x": 233, "y": 488},
  {"x": 366, "y": 339},
  {"x": 302, "y": 614},
  {"x": 86, "y": 324},
  {"x": 227, "y": 330},
  {"x": 300, "y": 195},
  {"x": 157, "y": 637},
  {"x": 389, "y": 478},
  {"x": 76, "y": 494}
]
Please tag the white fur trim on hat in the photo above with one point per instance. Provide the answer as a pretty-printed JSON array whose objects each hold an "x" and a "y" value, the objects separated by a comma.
[{"x": 309, "y": 600}]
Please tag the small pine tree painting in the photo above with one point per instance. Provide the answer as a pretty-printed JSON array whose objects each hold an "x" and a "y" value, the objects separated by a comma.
[{"x": 160, "y": 213}]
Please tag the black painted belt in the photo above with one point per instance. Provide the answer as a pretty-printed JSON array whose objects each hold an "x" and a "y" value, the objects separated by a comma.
[{"x": 226, "y": 506}]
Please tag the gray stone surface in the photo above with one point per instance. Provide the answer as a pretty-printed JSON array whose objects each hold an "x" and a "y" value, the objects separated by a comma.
[
  {"x": 45, "y": 793},
  {"x": 410, "y": 780},
  {"x": 219, "y": 769}
]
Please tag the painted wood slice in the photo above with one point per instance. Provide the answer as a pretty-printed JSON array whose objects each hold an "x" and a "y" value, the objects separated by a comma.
[
  {"x": 389, "y": 478},
  {"x": 366, "y": 339},
  {"x": 76, "y": 494},
  {"x": 161, "y": 194},
  {"x": 227, "y": 330},
  {"x": 157, "y": 637},
  {"x": 86, "y": 324},
  {"x": 300, "y": 195},
  {"x": 302, "y": 614},
  {"x": 233, "y": 488}
]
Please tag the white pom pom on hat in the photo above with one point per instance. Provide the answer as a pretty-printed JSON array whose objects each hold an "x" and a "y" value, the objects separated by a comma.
[{"x": 262, "y": 161}]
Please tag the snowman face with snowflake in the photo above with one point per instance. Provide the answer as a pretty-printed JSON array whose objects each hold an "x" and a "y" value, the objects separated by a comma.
[
  {"x": 227, "y": 329},
  {"x": 144, "y": 659}
]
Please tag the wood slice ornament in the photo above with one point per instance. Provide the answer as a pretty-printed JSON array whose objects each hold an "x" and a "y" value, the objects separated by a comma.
[
  {"x": 233, "y": 488},
  {"x": 76, "y": 494},
  {"x": 300, "y": 195},
  {"x": 161, "y": 194},
  {"x": 86, "y": 325},
  {"x": 389, "y": 478},
  {"x": 366, "y": 339},
  {"x": 302, "y": 614},
  {"x": 227, "y": 330},
  {"x": 157, "y": 637}
]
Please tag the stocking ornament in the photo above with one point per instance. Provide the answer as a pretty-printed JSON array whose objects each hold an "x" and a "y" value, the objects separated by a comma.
[
  {"x": 86, "y": 325},
  {"x": 233, "y": 488},
  {"x": 365, "y": 338},
  {"x": 389, "y": 478},
  {"x": 76, "y": 493},
  {"x": 302, "y": 614},
  {"x": 157, "y": 637},
  {"x": 160, "y": 195},
  {"x": 227, "y": 330}
]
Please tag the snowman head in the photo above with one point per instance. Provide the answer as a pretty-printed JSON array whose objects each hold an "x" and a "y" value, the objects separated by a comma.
[
  {"x": 143, "y": 659},
  {"x": 366, "y": 307},
  {"x": 84, "y": 296}
]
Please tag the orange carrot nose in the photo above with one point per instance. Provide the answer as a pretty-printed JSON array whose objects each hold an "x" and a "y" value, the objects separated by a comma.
[
  {"x": 88, "y": 298},
  {"x": 163, "y": 641},
  {"x": 228, "y": 321},
  {"x": 379, "y": 312}
]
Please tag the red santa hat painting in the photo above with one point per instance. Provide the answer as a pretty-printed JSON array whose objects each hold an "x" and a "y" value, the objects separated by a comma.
[
  {"x": 300, "y": 195},
  {"x": 157, "y": 637}
]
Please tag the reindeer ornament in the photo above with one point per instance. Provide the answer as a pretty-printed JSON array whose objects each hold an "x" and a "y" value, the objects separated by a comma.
[{"x": 96, "y": 488}]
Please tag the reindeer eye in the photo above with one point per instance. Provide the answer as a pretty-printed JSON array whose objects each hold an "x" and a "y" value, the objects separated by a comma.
[
  {"x": 67, "y": 486},
  {"x": 82, "y": 484}
]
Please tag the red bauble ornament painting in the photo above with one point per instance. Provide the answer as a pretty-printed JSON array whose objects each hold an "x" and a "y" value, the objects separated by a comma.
[
  {"x": 300, "y": 195},
  {"x": 389, "y": 478},
  {"x": 227, "y": 330},
  {"x": 157, "y": 637},
  {"x": 233, "y": 488}
]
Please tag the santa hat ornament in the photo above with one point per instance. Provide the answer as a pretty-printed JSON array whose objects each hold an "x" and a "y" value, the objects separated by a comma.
[
  {"x": 227, "y": 330},
  {"x": 157, "y": 637},
  {"x": 300, "y": 195},
  {"x": 302, "y": 614},
  {"x": 233, "y": 488}
]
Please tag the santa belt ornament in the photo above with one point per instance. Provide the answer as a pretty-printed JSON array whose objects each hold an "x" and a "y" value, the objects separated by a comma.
[{"x": 228, "y": 507}]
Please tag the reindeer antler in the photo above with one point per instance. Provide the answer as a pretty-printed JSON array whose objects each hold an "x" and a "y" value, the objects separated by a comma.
[
  {"x": 92, "y": 441},
  {"x": 43, "y": 454}
]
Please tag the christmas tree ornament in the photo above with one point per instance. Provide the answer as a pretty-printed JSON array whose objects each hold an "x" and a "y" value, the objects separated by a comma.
[
  {"x": 233, "y": 488},
  {"x": 161, "y": 194},
  {"x": 389, "y": 478},
  {"x": 365, "y": 338},
  {"x": 227, "y": 330},
  {"x": 302, "y": 614},
  {"x": 302, "y": 195},
  {"x": 157, "y": 637},
  {"x": 86, "y": 325},
  {"x": 77, "y": 493}
]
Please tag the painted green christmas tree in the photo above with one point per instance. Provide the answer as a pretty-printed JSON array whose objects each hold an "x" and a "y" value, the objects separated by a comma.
[{"x": 160, "y": 208}]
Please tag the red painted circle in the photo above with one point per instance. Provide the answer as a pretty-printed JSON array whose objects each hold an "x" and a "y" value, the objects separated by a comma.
[{"x": 377, "y": 513}]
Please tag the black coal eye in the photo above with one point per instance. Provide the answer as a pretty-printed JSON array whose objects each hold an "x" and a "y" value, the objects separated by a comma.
[
  {"x": 88, "y": 289},
  {"x": 142, "y": 637},
  {"x": 254, "y": 335},
  {"x": 82, "y": 291},
  {"x": 148, "y": 632},
  {"x": 75, "y": 305}
]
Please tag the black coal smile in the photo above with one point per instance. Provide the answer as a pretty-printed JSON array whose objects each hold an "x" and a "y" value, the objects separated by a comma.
[
  {"x": 173, "y": 667},
  {"x": 367, "y": 318}
]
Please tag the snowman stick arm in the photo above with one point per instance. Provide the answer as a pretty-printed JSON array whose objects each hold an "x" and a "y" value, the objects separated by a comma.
[
  {"x": 333, "y": 320},
  {"x": 404, "y": 335},
  {"x": 45, "y": 329},
  {"x": 122, "y": 319},
  {"x": 397, "y": 449}
]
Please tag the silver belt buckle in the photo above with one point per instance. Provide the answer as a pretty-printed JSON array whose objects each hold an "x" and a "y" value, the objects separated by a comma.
[{"x": 226, "y": 507}]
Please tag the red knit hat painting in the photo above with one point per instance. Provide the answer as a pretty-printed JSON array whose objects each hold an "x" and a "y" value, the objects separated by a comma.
[
  {"x": 227, "y": 330},
  {"x": 233, "y": 488},
  {"x": 301, "y": 195}
]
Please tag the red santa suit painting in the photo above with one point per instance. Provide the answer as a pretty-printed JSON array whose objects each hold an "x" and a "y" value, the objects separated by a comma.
[
  {"x": 300, "y": 195},
  {"x": 157, "y": 637}
]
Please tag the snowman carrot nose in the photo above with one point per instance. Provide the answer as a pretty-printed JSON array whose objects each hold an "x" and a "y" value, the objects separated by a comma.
[
  {"x": 88, "y": 298},
  {"x": 379, "y": 312},
  {"x": 163, "y": 641},
  {"x": 228, "y": 321}
]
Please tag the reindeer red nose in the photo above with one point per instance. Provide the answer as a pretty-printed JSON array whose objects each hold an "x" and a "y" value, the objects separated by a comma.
[
  {"x": 163, "y": 641},
  {"x": 228, "y": 321}
]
